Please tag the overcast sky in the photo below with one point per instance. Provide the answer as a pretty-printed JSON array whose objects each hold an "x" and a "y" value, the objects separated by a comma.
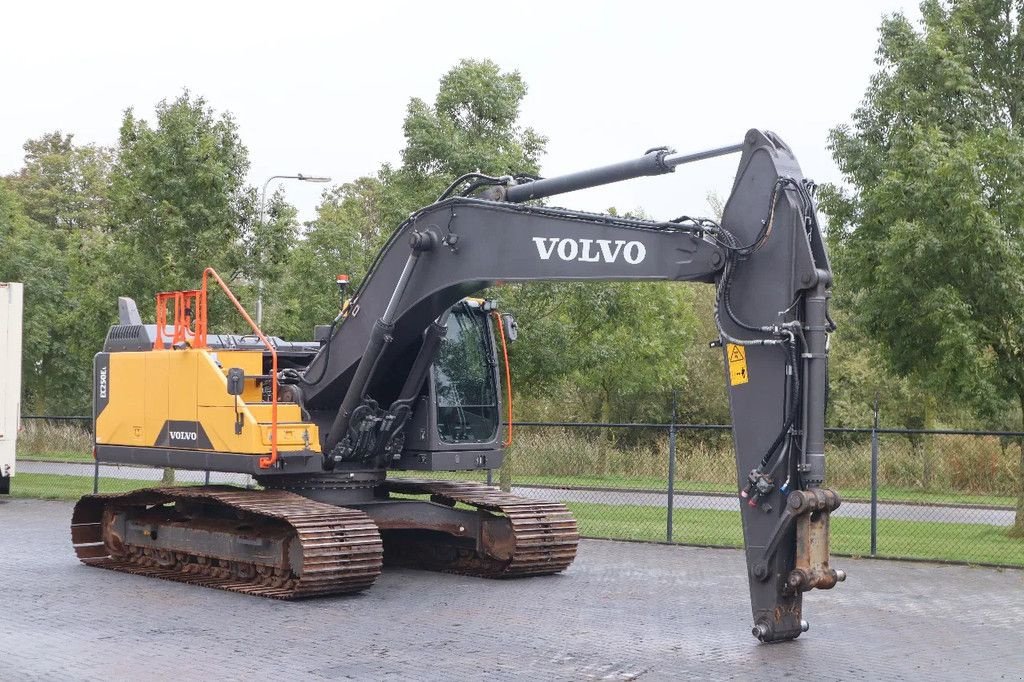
[{"x": 321, "y": 87}]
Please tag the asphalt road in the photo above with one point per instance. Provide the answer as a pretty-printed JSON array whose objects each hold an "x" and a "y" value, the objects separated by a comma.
[
  {"x": 127, "y": 472},
  {"x": 861, "y": 510},
  {"x": 623, "y": 611}
]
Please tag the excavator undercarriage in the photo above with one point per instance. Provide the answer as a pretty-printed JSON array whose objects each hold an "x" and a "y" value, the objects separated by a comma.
[
  {"x": 279, "y": 544},
  {"x": 407, "y": 378}
]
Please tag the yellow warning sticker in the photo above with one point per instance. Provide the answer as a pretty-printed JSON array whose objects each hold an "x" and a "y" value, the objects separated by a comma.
[{"x": 737, "y": 364}]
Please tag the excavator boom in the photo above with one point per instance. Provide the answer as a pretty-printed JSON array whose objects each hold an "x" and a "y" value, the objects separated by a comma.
[{"x": 769, "y": 262}]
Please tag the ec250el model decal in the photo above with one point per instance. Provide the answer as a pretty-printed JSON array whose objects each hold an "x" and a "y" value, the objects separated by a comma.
[
  {"x": 100, "y": 384},
  {"x": 590, "y": 250}
]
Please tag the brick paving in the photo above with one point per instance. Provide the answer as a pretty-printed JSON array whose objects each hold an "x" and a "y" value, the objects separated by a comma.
[{"x": 622, "y": 611}]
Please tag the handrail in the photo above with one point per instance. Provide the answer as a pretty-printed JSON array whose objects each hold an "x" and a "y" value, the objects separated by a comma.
[
  {"x": 183, "y": 316},
  {"x": 508, "y": 377},
  {"x": 200, "y": 342}
]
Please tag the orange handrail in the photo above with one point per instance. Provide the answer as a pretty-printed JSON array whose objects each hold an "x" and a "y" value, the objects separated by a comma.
[
  {"x": 184, "y": 316},
  {"x": 200, "y": 342},
  {"x": 508, "y": 377}
]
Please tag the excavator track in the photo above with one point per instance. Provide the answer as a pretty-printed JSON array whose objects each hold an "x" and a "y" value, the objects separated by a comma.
[
  {"x": 338, "y": 550},
  {"x": 541, "y": 538}
]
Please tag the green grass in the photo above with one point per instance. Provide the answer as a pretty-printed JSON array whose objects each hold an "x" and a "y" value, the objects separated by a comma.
[
  {"x": 897, "y": 494},
  {"x": 57, "y": 456},
  {"x": 971, "y": 543},
  {"x": 58, "y": 487}
]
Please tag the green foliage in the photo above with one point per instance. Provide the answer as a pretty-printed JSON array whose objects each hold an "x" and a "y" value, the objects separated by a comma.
[
  {"x": 62, "y": 191},
  {"x": 603, "y": 351},
  {"x": 473, "y": 125},
  {"x": 64, "y": 186},
  {"x": 343, "y": 239},
  {"x": 857, "y": 379},
  {"x": 179, "y": 198},
  {"x": 180, "y": 203},
  {"x": 929, "y": 237},
  {"x": 31, "y": 256},
  {"x": 930, "y": 240},
  {"x": 618, "y": 351},
  {"x": 591, "y": 351},
  {"x": 83, "y": 225},
  {"x": 268, "y": 243}
]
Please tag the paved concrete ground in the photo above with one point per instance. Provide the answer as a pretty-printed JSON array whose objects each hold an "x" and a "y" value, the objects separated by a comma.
[
  {"x": 622, "y": 611},
  {"x": 859, "y": 510}
]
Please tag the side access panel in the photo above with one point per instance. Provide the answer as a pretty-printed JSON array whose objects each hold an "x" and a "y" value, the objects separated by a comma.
[{"x": 171, "y": 408}]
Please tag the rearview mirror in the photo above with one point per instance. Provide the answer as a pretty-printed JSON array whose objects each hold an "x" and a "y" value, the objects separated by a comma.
[
  {"x": 508, "y": 322},
  {"x": 236, "y": 381}
]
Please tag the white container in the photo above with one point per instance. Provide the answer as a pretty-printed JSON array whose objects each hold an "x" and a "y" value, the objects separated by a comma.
[{"x": 11, "y": 309}]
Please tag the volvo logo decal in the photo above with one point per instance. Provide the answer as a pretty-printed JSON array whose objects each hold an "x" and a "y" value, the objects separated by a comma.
[
  {"x": 590, "y": 250},
  {"x": 183, "y": 434}
]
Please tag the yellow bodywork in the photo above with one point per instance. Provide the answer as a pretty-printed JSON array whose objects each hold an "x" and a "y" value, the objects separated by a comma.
[{"x": 178, "y": 399}]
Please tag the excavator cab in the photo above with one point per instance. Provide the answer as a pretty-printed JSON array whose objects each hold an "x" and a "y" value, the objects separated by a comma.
[{"x": 456, "y": 423}]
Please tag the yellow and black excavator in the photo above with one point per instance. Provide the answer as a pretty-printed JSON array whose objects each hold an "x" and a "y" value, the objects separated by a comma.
[{"x": 407, "y": 377}]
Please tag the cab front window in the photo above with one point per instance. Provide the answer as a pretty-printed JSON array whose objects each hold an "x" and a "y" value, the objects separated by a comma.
[{"x": 467, "y": 399}]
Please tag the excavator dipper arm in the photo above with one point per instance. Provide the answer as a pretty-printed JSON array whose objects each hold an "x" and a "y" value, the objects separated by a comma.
[{"x": 768, "y": 261}]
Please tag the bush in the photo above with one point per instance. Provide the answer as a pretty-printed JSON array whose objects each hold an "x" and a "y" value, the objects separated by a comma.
[
  {"x": 46, "y": 437},
  {"x": 927, "y": 462}
]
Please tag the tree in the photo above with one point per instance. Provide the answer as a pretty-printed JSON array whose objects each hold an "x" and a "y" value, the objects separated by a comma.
[
  {"x": 30, "y": 256},
  {"x": 63, "y": 191},
  {"x": 267, "y": 244},
  {"x": 931, "y": 234},
  {"x": 180, "y": 200},
  {"x": 472, "y": 125},
  {"x": 63, "y": 186},
  {"x": 608, "y": 352},
  {"x": 83, "y": 224},
  {"x": 343, "y": 239}
]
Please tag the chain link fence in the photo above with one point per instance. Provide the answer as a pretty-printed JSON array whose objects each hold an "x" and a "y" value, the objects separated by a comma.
[{"x": 933, "y": 495}]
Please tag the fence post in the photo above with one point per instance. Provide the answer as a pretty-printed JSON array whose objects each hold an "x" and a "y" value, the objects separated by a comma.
[
  {"x": 874, "y": 482},
  {"x": 206, "y": 480},
  {"x": 95, "y": 474},
  {"x": 490, "y": 476},
  {"x": 671, "y": 469}
]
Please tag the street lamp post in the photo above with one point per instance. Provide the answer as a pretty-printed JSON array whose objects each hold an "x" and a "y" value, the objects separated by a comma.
[{"x": 263, "y": 202}]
